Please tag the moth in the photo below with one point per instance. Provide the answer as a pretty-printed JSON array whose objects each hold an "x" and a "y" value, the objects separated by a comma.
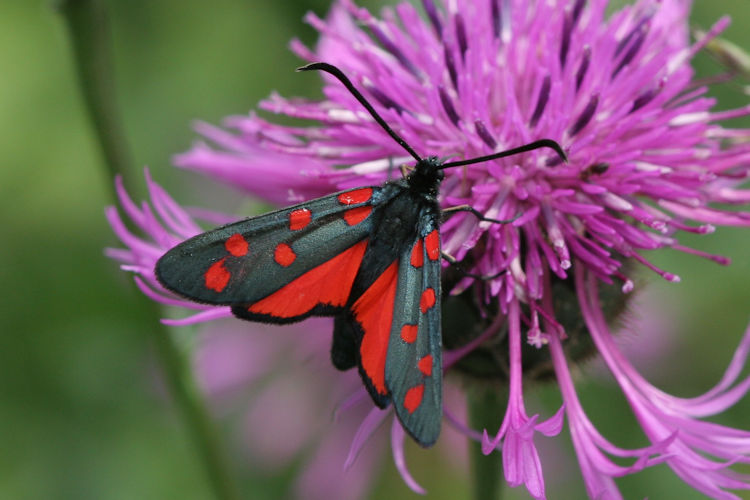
[{"x": 369, "y": 257}]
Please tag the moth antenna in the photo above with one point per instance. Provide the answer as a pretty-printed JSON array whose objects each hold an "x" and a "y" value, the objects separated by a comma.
[
  {"x": 542, "y": 143},
  {"x": 333, "y": 70}
]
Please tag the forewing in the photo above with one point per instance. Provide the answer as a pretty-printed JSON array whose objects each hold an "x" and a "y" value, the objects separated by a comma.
[
  {"x": 413, "y": 367},
  {"x": 308, "y": 254}
]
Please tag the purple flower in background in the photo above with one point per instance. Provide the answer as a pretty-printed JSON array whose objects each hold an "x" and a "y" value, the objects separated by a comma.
[{"x": 648, "y": 160}]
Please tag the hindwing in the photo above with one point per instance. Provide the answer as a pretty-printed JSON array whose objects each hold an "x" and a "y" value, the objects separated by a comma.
[
  {"x": 413, "y": 367},
  {"x": 392, "y": 324}
]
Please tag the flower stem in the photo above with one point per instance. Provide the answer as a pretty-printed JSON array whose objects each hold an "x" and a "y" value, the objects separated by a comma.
[
  {"x": 183, "y": 388},
  {"x": 486, "y": 408},
  {"x": 88, "y": 29},
  {"x": 90, "y": 38}
]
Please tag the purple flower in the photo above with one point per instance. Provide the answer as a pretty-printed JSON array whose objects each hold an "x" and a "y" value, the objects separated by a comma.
[{"x": 648, "y": 160}]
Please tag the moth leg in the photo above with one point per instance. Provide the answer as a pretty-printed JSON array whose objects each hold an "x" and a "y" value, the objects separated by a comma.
[
  {"x": 403, "y": 168},
  {"x": 344, "y": 345},
  {"x": 476, "y": 213},
  {"x": 484, "y": 277}
]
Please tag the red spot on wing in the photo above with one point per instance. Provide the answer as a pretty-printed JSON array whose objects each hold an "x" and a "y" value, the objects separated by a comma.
[
  {"x": 236, "y": 245},
  {"x": 284, "y": 255},
  {"x": 354, "y": 216},
  {"x": 413, "y": 398},
  {"x": 299, "y": 219},
  {"x": 356, "y": 196},
  {"x": 409, "y": 333},
  {"x": 427, "y": 300},
  {"x": 374, "y": 312},
  {"x": 329, "y": 283},
  {"x": 425, "y": 365},
  {"x": 217, "y": 276},
  {"x": 432, "y": 242},
  {"x": 417, "y": 256}
]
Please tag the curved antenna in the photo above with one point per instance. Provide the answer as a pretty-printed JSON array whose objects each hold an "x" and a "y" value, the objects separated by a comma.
[
  {"x": 333, "y": 70},
  {"x": 542, "y": 143}
]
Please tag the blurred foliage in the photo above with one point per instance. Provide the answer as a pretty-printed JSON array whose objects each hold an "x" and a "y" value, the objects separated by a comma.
[{"x": 81, "y": 413}]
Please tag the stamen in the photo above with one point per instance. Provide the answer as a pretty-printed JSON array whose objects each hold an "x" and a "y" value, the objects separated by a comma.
[
  {"x": 584, "y": 67},
  {"x": 450, "y": 65},
  {"x": 721, "y": 49},
  {"x": 393, "y": 49},
  {"x": 553, "y": 161},
  {"x": 647, "y": 96},
  {"x": 484, "y": 134},
  {"x": 556, "y": 238},
  {"x": 702, "y": 229},
  {"x": 627, "y": 285},
  {"x": 432, "y": 14},
  {"x": 461, "y": 34},
  {"x": 728, "y": 115},
  {"x": 672, "y": 278},
  {"x": 577, "y": 9},
  {"x": 541, "y": 102},
  {"x": 497, "y": 17},
  {"x": 634, "y": 48},
  {"x": 383, "y": 99},
  {"x": 448, "y": 105},
  {"x": 719, "y": 259},
  {"x": 565, "y": 44},
  {"x": 500, "y": 22},
  {"x": 585, "y": 116},
  {"x": 636, "y": 29}
]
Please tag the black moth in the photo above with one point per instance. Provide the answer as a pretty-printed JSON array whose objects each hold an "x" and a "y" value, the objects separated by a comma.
[{"x": 370, "y": 257}]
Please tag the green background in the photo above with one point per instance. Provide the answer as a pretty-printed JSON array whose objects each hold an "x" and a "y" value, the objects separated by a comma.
[{"x": 80, "y": 414}]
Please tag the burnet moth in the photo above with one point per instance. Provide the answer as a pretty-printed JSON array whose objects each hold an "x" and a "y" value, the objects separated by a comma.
[{"x": 370, "y": 257}]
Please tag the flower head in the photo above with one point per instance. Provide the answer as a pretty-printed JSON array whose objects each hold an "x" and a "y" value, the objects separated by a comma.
[{"x": 648, "y": 159}]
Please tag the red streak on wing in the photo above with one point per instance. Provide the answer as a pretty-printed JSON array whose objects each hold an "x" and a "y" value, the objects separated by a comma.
[
  {"x": 299, "y": 219},
  {"x": 417, "y": 257},
  {"x": 354, "y": 197},
  {"x": 432, "y": 242},
  {"x": 374, "y": 312},
  {"x": 427, "y": 300},
  {"x": 236, "y": 245},
  {"x": 217, "y": 276},
  {"x": 329, "y": 284},
  {"x": 425, "y": 365},
  {"x": 409, "y": 333},
  {"x": 413, "y": 398},
  {"x": 284, "y": 255},
  {"x": 354, "y": 216}
]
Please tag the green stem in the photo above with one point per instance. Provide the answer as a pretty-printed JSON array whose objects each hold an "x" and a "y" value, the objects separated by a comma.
[
  {"x": 486, "y": 408},
  {"x": 187, "y": 396},
  {"x": 88, "y": 29},
  {"x": 89, "y": 32}
]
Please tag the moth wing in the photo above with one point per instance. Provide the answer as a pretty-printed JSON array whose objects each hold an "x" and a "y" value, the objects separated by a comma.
[
  {"x": 368, "y": 322},
  {"x": 277, "y": 267},
  {"x": 413, "y": 367}
]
